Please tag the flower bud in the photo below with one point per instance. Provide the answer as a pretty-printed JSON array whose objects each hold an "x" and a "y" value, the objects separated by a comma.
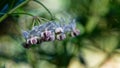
[
  {"x": 32, "y": 40},
  {"x": 46, "y": 35},
  {"x": 75, "y": 32},
  {"x": 59, "y": 30},
  {"x": 61, "y": 36},
  {"x": 52, "y": 37}
]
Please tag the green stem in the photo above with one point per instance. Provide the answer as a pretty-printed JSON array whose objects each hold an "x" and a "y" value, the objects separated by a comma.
[
  {"x": 44, "y": 19},
  {"x": 18, "y": 14},
  {"x": 24, "y": 13},
  {"x": 12, "y": 10},
  {"x": 52, "y": 17}
]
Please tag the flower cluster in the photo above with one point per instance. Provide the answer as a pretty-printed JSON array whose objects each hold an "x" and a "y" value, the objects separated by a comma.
[{"x": 49, "y": 31}]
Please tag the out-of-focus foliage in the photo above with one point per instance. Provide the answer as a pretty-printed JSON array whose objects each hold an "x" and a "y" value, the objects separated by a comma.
[
  {"x": 7, "y": 5},
  {"x": 96, "y": 47}
]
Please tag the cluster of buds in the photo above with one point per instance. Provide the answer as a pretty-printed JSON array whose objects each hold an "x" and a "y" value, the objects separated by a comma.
[{"x": 49, "y": 31}]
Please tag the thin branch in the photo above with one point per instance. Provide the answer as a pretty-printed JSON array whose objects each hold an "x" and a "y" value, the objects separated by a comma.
[
  {"x": 24, "y": 13},
  {"x": 52, "y": 17}
]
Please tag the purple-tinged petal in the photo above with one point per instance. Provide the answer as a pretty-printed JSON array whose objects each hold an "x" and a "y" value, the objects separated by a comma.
[
  {"x": 61, "y": 36},
  {"x": 75, "y": 32},
  {"x": 46, "y": 35},
  {"x": 33, "y": 41},
  {"x": 52, "y": 37}
]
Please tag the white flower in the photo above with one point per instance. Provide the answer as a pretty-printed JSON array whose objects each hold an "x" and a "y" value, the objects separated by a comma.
[{"x": 59, "y": 30}]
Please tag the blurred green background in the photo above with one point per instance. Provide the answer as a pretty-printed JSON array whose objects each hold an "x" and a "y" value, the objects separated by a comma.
[{"x": 96, "y": 47}]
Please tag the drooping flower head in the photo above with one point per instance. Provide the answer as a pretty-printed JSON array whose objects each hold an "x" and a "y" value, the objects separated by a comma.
[{"x": 50, "y": 31}]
